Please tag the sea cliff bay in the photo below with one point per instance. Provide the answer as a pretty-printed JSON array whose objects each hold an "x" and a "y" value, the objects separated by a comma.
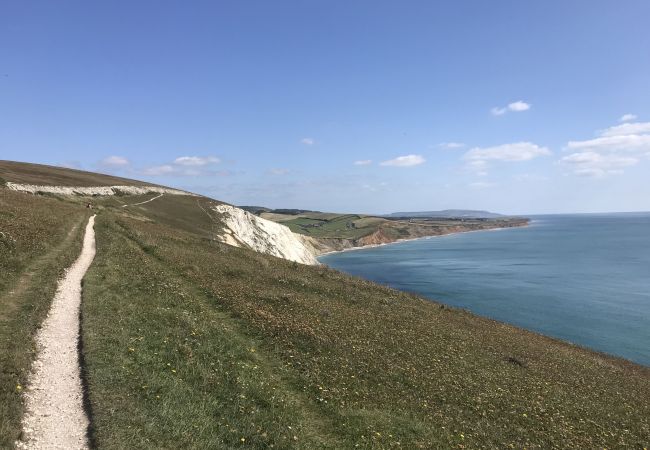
[{"x": 580, "y": 278}]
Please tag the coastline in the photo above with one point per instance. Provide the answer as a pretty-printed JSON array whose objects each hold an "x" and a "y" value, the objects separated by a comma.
[
  {"x": 525, "y": 273},
  {"x": 399, "y": 241}
]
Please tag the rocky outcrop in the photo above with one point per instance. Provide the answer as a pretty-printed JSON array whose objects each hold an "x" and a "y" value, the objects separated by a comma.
[
  {"x": 243, "y": 229},
  {"x": 93, "y": 190}
]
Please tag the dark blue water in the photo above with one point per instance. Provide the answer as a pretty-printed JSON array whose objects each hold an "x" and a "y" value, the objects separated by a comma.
[{"x": 581, "y": 278}]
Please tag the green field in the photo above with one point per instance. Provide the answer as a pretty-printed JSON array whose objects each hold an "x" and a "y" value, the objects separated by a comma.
[
  {"x": 340, "y": 226},
  {"x": 191, "y": 343}
]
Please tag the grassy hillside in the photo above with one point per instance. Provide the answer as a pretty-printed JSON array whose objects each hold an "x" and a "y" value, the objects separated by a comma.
[
  {"x": 190, "y": 343},
  {"x": 221, "y": 344},
  {"x": 26, "y": 173},
  {"x": 39, "y": 237}
]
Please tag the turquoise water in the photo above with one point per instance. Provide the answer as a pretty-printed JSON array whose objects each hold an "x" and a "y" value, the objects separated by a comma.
[{"x": 581, "y": 278}]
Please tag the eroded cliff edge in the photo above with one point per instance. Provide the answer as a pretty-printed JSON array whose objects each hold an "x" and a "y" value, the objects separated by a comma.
[{"x": 243, "y": 229}]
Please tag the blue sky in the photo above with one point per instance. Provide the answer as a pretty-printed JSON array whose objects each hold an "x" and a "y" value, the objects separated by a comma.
[{"x": 366, "y": 106}]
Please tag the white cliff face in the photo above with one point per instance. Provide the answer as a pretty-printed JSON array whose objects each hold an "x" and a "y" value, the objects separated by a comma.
[
  {"x": 248, "y": 230},
  {"x": 93, "y": 190}
]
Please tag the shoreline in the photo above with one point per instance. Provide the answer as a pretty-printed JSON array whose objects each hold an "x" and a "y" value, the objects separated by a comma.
[{"x": 399, "y": 241}]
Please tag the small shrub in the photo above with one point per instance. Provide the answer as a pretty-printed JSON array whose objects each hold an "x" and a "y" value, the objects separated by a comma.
[{"x": 515, "y": 361}]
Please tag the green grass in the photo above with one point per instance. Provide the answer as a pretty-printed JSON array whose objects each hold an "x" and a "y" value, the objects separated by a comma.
[
  {"x": 167, "y": 368},
  {"x": 342, "y": 361},
  {"x": 40, "y": 237}
]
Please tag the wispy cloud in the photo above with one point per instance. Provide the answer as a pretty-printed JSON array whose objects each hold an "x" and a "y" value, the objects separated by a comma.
[
  {"x": 616, "y": 148},
  {"x": 404, "y": 161},
  {"x": 184, "y": 166},
  {"x": 592, "y": 164},
  {"x": 518, "y": 106},
  {"x": 479, "y": 158},
  {"x": 451, "y": 145},
  {"x": 115, "y": 162},
  {"x": 363, "y": 162},
  {"x": 632, "y": 143},
  {"x": 164, "y": 169},
  {"x": 627, "y": 129},
  {"x": 196, "y": 160},
  {"x": 627, "y": 118},
  {"x": 307, "y": 141}
]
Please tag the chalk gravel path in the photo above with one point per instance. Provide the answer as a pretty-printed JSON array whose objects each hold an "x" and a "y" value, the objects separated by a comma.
[
  {"x": 146, "y": 201},
  {"x": 54, "y": 416}
]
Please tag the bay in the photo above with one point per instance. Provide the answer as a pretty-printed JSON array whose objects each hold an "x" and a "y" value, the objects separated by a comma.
[{"x": 581, "y": 278}]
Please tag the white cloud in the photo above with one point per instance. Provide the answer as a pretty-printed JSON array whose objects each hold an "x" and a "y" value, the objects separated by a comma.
[
  {"x": 363, "y": 162},
  {"x": 594, "y": 164},
  {"x": 278, "y": 171},
  {"x": 196, "y": 160},
  {"x": 626, "y": 143},
  {"x": 404, "y": 161},
  {"x": 115, "y": 162},
  {"x": 627, "y": 129},
  {"x": 478, "y": 157},
  {"x": 627, "y": 118},
  {"x": 184, "y": 166},
  {"x": 164, "y": 169},
  {"x": 451, "y": 145},
  {"x": 517, "y": 106},
  {"x": 481, "y": 185},
  {"x": 307, "y": 141},
  {"x": 617, "y": 147}
]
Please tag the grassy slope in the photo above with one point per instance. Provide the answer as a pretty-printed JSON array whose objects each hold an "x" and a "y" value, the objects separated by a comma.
[
  {"x": 191, "y": 343},
  {"x": 41, "y": 237},
  {"x": 168, "y": 368},
  {"x": 26, "y": 173}
]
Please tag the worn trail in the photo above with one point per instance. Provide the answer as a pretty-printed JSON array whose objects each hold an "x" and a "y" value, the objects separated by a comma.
[
  {"x": 146, "y": 201},
  {"x": 54, "y": 416}
]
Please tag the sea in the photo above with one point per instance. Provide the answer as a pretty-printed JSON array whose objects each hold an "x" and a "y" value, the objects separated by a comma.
[{"x": 583, "y": 278}]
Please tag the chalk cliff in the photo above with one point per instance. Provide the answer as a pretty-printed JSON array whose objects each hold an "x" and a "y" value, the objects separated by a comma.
[
  {"x": 93, "y": 190},
  {"x": 244, "y": 229}
]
